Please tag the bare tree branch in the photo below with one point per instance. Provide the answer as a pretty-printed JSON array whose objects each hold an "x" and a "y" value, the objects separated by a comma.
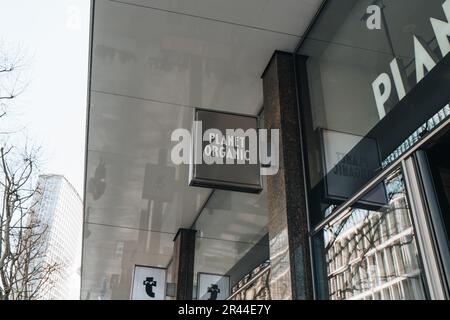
[{"x": 24, "y": 268}]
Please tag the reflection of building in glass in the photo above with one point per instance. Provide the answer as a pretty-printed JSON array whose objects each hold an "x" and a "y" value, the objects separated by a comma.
[
  {"x": 372, "y": 255},
  {"x": 254, "y": 286},
  {"x": 59, "y": 208}
]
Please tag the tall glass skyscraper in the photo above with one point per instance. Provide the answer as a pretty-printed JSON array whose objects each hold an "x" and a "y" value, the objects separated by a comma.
[{"x": 59, "y": 209}]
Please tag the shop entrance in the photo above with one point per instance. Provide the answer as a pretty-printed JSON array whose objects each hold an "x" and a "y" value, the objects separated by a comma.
[
  {"x": 433, "y": 162},
  {"x": 439, "y": 162}
]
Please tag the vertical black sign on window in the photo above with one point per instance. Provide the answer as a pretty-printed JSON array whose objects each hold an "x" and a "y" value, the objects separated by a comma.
[{"x": 348, "y": 168}]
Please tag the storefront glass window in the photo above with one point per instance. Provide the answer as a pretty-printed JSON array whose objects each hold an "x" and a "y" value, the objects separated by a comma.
[
  {"x": 373, "y": 81},
  {"x": 370, "y": 252}
]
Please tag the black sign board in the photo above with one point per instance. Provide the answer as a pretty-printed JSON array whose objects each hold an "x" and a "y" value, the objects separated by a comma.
[
  {"x": 225, "y": 152},
  {"x": 346, "y": 171}
]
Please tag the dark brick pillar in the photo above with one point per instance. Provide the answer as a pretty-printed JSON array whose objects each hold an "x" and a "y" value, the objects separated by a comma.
[
  {"x": 288, "y": 224},
  {"x": 183, "y": 271}
]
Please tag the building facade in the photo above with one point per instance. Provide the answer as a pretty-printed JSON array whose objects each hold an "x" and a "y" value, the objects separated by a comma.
[
  {"x": 59, "y": 209},
  {"x": 358, "y": 204}
]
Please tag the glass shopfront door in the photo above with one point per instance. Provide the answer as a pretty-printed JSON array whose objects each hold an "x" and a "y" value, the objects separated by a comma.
[
  {"x": 433, "y": 164},
  {"x": 439, "y": 163}
]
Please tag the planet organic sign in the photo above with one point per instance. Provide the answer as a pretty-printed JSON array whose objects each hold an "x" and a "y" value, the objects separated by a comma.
[
  {"x": 425, "y": 61},
  {"x": 226, "y": 151}
]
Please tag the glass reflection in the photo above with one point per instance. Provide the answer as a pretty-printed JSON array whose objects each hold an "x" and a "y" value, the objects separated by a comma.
[
  {"x": 341, "y": 55},
  {"x": 371, "y": 253}
]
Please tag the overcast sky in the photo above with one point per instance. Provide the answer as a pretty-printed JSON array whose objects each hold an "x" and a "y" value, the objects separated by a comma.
[{"x": 54, "y": 35}]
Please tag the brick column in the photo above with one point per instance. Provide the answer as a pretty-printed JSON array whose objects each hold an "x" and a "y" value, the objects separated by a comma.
[{"x": 288, "y": 224}]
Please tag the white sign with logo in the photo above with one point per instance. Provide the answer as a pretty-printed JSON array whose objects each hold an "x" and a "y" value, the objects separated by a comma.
[
  {"x": 149, "y": 283},
  {"x": 213, "y": 287}
]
